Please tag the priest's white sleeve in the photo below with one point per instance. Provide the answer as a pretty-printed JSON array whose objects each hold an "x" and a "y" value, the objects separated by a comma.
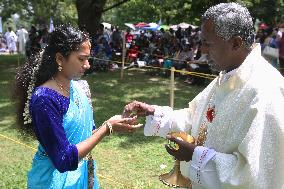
[
  {"x": 202, "y": 168},
  {"x": 166, "y": 120},
  {"x": 257, "y": 162}
]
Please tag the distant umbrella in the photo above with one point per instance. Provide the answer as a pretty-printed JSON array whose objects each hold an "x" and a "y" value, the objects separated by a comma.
[
  {"x": 263, "y": 26},
  {"x": 130, "y": 26},
  {"x": 183, "y": 25},
  {"x": 281, "y": 25},
  {"x": 141, "y": 25},
  {"x": 174, "y": 27},
  {"x": 151, "y": 26},
  {"x": 107, "y": 25},
  {"x": 165, "y": 27}
]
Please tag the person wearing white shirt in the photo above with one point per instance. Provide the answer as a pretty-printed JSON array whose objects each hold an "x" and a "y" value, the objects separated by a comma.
[
  {"x": 237, "y": 120},
  {"x": 11, "y": 39},
  {"x": 23, "y": 36}
]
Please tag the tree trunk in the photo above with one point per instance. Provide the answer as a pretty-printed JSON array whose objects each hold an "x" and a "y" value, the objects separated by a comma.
[{"x": 89, "y": 14}]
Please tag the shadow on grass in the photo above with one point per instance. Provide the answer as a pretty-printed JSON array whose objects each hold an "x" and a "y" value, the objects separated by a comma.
[
  {"x": 138, "y": 139},
  {"x": 110, "y": 93}
]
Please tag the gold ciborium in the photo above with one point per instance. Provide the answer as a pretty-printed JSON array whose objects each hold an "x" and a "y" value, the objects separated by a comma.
[{"x": 174, "y": 178}]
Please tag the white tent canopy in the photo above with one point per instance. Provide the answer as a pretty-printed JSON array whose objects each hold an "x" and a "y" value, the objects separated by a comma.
[
  {"x": 107, "y": 25},
  {"x": 130, "y": 26},
  {"x": 182, "y": 26}
]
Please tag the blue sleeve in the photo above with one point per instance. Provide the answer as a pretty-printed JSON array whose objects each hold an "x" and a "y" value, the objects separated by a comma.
[
  {"x": 94, "y": 125},
  {"x": 48, "y": 126},
  {"x": 273, "y": 43},
  {"x": 96, "y": 50}
]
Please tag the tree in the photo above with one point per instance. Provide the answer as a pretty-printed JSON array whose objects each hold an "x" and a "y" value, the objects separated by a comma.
[
  {"x": 269, "y": 11},
  {"x": 38, "y": 12},
  {"x": 9, "y": 7},
  {"x": 62, "y": 11},
  {"x": 173, "y": 12},
  {"x": 170, "y": 11},
  {"x": 90, "y": 12}
]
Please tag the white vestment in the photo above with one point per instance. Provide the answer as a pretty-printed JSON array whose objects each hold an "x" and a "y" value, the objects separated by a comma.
[
  {"x": 23, "y": 36},
  {"x": 11, "y": 39},
  {"x": 244, "y": 148}
]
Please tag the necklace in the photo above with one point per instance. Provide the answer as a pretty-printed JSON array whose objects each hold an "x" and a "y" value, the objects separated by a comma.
[{"x": 60, "y": 86}]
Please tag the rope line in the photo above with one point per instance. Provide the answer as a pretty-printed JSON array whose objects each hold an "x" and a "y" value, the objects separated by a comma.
[
  {"x": 18, "y": 142},
  {"x": 197, "y": 74},
  {"x": 34, "y": 149}
]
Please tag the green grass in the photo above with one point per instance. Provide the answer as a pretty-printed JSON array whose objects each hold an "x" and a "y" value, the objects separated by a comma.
[{"x": 124, "y": 161}]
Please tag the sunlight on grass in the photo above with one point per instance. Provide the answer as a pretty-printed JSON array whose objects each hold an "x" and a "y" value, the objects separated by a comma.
[
  {"x": 4, "y": 82},
  {"x": 123, "y": 161},
  {"x": 5, "y": 104},
  {"x": 7, "y": 121}
]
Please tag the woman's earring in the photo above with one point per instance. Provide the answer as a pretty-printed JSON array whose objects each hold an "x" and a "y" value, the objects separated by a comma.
[{"x": 59, "y": 67}]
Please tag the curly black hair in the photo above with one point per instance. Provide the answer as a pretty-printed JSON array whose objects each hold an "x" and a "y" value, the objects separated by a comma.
[
  {"x": 231, "y": 19},
  {"x": 65, "y": 39}
]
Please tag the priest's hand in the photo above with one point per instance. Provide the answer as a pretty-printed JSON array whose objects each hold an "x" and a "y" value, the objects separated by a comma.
[
  {"x": 185, "y": 149},
  {"x": 140, "y": 109}
]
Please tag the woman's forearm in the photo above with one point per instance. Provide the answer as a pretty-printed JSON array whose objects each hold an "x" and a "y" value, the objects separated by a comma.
[{"x": 87, "y": 145}]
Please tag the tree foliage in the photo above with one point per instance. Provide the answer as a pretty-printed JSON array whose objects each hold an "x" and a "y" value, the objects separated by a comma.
[
  {"x": 89, "y": 13},
  {"x": 269, "y": 11},
  {"x": 173, "y": 11},
  {"x": 39, "y": 12}
]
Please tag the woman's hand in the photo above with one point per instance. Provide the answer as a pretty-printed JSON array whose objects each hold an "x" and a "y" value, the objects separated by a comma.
[
  {"x": 124, "y": 125},
  {"x": 116, "y": 123},
  {"x": 140, "y": 109}
]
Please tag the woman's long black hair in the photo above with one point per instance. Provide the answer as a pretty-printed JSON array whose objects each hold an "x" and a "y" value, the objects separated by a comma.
[{"x": 64, "y": 40}]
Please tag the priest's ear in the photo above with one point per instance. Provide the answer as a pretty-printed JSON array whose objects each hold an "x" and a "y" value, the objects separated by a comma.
[{"x": 237, "y": 43}]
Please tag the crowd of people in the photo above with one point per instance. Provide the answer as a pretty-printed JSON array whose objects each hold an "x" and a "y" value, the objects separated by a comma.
[
  {"x": 272, "y": 37},
  {"x": 23, "y": 41},
  {"x": 152, "y": 48},
  {"x": 179, "y": 48},
  {"x": 236, "y": 123}
]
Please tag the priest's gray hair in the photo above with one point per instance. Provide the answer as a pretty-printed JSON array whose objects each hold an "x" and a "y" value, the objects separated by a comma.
[{"x": 230, "y": 20}]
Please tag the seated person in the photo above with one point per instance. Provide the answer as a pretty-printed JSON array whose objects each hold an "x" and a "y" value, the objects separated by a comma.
[
  {"x": 186, "y": 54},
  {"x": 200, "y": 66},
  {"x": 132, "y": 53}
]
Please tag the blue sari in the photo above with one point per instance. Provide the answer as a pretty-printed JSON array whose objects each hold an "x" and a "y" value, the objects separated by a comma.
[{"x": 60, "y": 123}]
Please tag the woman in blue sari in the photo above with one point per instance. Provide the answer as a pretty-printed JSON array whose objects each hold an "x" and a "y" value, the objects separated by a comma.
[{"x": 56, "y": 107}]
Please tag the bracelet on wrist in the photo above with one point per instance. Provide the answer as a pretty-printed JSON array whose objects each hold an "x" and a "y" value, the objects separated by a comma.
[{"x": 109, "y": 126}]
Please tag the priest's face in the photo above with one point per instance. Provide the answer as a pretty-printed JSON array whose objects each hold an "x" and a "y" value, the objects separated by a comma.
[{"x": 218, "y": 50}]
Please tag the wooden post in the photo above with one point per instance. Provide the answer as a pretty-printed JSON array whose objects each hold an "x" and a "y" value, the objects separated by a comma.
[
  {"x": 123, "y": 55},
  {"x": 18, "y": 57},
  {"x": 172, "y": 87}
]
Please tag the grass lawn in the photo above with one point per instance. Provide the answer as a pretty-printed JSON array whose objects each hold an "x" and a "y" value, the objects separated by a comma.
[{"x": 124, "y": 161}]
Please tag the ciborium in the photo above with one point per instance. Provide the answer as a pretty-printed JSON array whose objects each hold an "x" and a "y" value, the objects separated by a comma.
[{"x": 174, "y": 178}]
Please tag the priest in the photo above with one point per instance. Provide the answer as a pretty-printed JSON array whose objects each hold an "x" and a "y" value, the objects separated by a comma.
[{"x": 237, "y": 120}]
